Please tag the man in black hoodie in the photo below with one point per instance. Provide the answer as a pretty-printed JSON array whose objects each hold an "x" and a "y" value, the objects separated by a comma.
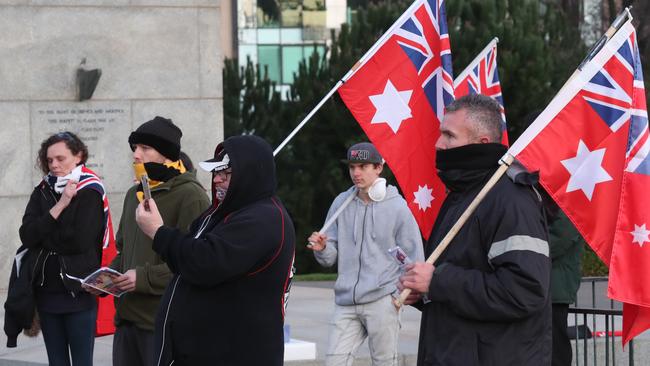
[
  {"x": 486, "y": 300},
  {"x": 225, "y": 304}
]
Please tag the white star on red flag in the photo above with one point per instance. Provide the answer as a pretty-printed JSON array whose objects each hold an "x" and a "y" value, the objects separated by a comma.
[
  {"x": 392, "y": 106},
  {"x": 586, "y": 170},
  {"x": 640, "y": 234},
  {"x": 423, "y": 197}
]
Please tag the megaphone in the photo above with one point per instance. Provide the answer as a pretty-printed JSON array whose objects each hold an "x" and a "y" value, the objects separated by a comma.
[{"x": 377, "y": 190}]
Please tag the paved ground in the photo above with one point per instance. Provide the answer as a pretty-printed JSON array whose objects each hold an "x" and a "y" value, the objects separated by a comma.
[{"x": 310, "y": 309}]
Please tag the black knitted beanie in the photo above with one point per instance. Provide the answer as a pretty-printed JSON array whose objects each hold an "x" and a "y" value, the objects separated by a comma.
[{"x": 161, "y": 134}]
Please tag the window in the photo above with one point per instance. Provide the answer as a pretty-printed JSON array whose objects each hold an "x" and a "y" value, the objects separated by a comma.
[{"x": 269, "y": 58}]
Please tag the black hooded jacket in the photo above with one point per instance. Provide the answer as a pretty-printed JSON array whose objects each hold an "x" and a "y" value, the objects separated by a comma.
[{"x": 225, "y": 304}]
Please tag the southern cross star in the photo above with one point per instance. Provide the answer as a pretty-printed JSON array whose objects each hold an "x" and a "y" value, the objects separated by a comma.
[
  {"x": 640, "y": 234},
  {"x": 423, "y": 197}
]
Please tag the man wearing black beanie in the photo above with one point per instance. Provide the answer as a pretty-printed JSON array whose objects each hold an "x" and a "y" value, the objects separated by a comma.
[
  {"x": 156, "y": 146},
  {"x": 161, "y": 134}
]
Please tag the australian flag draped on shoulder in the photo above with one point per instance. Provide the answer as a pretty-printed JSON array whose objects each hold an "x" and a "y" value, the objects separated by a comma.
[
  {"x": 481, "y": 76},
  {"x": 591, "y": 147},
  {"x": 398, "y": 92},
  {"x": 106, "y": 307}
]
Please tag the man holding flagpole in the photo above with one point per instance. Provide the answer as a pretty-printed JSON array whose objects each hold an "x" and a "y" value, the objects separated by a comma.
[
  {"x": 486, "y": 300},
  {"x": 360, "y": 239}
]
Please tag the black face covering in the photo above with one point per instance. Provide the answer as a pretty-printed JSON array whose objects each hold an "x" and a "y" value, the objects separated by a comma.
[
  {"x": 462, "y": 167},
  {"x": 160, "y": 172}
]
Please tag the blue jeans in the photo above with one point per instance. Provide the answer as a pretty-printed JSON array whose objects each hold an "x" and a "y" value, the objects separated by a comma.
[{"x": 69, "y": 335}]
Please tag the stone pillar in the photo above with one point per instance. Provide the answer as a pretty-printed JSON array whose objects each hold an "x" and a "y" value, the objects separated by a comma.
[{"x": 158, "y": 57}]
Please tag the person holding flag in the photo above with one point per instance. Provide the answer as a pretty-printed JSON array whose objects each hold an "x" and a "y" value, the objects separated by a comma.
[
  {"x": 598, "y": 168},
  {"x": 486, "y": 300},
  {"x": 360, "y": 239}
]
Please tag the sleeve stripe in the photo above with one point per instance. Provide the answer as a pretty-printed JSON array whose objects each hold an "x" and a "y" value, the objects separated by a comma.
[{"x": 518, "y": 242}]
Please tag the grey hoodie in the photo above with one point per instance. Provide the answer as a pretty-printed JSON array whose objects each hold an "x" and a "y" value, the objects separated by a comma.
[{"x": 360, "y": 238}]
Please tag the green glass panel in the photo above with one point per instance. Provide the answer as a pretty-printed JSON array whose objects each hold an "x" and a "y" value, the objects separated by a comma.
[
  {"x": 291, "y": 57},
  {"x": 269, "y": 56}
]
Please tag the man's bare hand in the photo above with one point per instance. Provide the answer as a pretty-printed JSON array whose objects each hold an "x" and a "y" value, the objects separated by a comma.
[
  {"x": 418, "y": 277},
  {"x": 148, "y": 218},
  {"x": 317, "y": 241},
  {"x": 412, "y": 298},
  {"x": 126, "y": 281}
]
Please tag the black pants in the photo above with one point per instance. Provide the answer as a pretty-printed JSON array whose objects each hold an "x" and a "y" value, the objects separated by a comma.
[
  {"x": 132, "y": 346},
  {"x": 70, "y": 335},
  {"x": 561, "y": 344}
]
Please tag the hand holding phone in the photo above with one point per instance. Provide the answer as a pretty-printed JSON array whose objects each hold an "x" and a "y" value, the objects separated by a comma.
[{"x": 144, "y": 180}]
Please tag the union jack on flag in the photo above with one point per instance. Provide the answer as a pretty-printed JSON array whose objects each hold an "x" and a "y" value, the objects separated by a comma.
[
  {"x": 591, "y": 147},
  {"x": 481, "y": 76},
  {"x": 88, "y": 179},
  {"x": 398, "y": 92},
  {"x": 106, "y": 308}
]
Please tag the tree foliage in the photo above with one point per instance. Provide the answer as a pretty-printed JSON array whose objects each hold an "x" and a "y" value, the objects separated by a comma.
[{"x": 539, "y": 49}]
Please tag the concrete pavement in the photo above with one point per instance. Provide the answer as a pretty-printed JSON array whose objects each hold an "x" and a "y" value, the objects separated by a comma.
[{"x": 310, "y": 308}]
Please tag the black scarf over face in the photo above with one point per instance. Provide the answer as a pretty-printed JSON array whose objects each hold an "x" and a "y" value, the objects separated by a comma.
[
  {"x": 463, "y": 167},
  {"x": 160, "y": 172}
]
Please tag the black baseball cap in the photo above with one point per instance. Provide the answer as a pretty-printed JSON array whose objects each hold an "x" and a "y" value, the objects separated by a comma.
[
  {"x": 216, "y": 164},
  {"x": 363, "y": 152}
]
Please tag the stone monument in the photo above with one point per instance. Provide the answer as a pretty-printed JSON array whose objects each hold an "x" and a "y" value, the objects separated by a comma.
[{"x": 157, "y": 57}]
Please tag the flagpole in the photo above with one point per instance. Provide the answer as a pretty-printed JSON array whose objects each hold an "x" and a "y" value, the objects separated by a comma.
[
  {"x": 613, "y": 28},
  {"x": 505, "y": 162},
  {"x": 381, "y": 40},
  {"x": 308, "y": 117},
  {"x": 618, "y": 22},
  {"x": 560, "y": 99},
  {"x": 336, "y": 214},
  {"x": 469, "y": 67},
  {"x": 349, "y": 74},
  {"x": 508, "y": 158}
]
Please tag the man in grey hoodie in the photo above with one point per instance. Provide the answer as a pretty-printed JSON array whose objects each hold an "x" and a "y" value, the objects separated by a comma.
[{"x": 359, "y": 239}]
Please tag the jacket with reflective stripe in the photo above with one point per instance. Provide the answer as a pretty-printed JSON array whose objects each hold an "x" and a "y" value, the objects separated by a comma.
[{"x": 489, "y": 294}]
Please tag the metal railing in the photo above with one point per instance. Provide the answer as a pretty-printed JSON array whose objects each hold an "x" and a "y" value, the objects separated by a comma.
[{"x": 590, "y": 344}]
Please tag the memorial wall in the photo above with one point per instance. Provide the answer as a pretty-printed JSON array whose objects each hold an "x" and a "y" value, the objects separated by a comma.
[{"x": 159, "y": 57}]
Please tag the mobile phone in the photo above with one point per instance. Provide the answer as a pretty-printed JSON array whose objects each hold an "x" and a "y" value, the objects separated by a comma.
[{"x": 144, "y": 180}]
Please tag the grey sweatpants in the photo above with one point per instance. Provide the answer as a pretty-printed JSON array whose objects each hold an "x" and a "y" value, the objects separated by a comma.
[{"x": 379, "y": 321}]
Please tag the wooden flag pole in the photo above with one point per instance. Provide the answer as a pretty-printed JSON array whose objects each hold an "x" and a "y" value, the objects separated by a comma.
[
  {"x": 351, "y": 72},
  {"x": 507, "y": 160},
  {"x": 616, "y": 24},
  {"x": 444, "y": 243}
]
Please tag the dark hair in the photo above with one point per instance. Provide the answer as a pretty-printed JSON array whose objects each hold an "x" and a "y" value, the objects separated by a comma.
[
  {"x": 483, "y": 112},
  {"x": 187, "y": 161},
  {"x": 72, "y": 142}
]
